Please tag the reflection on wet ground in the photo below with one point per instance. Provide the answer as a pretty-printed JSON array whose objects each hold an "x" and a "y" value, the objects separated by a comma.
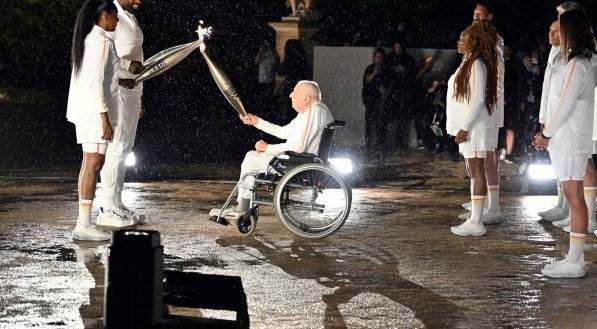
[{"x": 394, "y": 263}]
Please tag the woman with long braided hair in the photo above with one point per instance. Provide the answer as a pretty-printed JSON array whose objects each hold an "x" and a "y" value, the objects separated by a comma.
[{"x": 472, "y": 99}]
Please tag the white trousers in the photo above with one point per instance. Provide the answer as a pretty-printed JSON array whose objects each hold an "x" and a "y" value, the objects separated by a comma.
[
  {"x": 253, "y": 162},
  {"x": 112, "y": 174}
]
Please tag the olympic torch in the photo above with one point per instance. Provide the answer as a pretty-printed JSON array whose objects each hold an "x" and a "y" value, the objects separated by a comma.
[
  {"x": 225, "y": 85},
  {"x": 166, "y": 59}
]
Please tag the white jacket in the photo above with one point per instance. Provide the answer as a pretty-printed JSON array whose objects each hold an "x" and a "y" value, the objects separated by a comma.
[
  {"x": 471, "y": 114},
  {"x": 570, "y": 107},
  {"x": 302, "y": 134},
  {"x": 555, "y": 61},
  {"x": 94, "y": 89},
  {"x": 128, "y": 39}
]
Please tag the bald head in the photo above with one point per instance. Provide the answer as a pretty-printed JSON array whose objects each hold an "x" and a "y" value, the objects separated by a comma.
[{"x": 305, "y": 94}]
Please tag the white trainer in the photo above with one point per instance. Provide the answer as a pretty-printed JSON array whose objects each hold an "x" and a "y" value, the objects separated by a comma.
[
  {"x": 130, "y": 214},
  {"x": 562, "y": 223},
  {"x": 555, "y": 215},
  {"x": 91, "y": 233},
  {"x": 595, "y": 232},
  {"x": 489, "y": 217},
  {"x": 543, "y": 213},
  {"x": 592, "y": 227},
  {"x": 115, "y": 218},
  {"x": 469, "y": 228},
  {"x": 230, "y": 214},
  {"x": 565, "y": 269}
]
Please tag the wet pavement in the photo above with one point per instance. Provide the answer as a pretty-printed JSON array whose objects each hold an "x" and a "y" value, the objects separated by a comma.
[{"x": 394, "y": 264}]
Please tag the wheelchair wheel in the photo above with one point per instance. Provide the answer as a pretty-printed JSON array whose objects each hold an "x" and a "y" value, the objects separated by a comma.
[
  {"x": 312, "y": 200},
  {"x": 248, "y": 222}
]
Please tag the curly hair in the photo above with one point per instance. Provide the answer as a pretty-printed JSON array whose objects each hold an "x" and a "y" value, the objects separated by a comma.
[{"x": 483, "y": 40}]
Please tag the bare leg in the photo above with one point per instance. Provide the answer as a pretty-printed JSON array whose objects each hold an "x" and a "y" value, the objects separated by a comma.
[
  {"x": 476, "y": 170},
  {"x": 578, "y": 207},
  {"x": 492, "y": 167},
  {"x": 510, "y": 136},
  {"x": 92, "y": 164}
]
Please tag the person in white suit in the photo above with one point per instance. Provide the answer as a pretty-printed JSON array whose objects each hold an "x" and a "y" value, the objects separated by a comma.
[
  {"x": 302, "y": 134},
  {"x": 128, "y": 40},
  {"x": 568, "y": 134},
  {"x": 92, "y": 101}
]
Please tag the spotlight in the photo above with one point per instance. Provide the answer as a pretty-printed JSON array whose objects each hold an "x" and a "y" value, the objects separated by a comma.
[
  {"x": 541, "y": 172},
  {"x": 343, "y": 165},
  {"x": 131, "y": 160}
]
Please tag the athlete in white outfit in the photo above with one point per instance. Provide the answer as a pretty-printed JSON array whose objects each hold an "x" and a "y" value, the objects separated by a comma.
[
  {"x": 472, "y": 101},
  {"x": 302, "y": 134},
  {"x": 568, "y": 133},
  {"x": 92, "y": 101},
  {"x": 492, "y": 213},
  {"x": 128, "y": 40}
]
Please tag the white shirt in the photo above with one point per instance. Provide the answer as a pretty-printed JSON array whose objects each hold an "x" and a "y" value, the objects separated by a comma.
[
  {"x": 302, "y": 134},
  {"x": 555, "y": 62},
  {"x": 569, "y": 116},
  {"x": 471, "y": 114},
  {"x": 128, "y": 39},
  {"x": 94, "y": 89}
]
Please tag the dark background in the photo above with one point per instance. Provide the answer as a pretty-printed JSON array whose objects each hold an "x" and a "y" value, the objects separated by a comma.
[{"x": 187, "y": 119}]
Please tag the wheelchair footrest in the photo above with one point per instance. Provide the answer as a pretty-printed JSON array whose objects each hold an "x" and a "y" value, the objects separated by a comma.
[{"x": 218, "y": 220}]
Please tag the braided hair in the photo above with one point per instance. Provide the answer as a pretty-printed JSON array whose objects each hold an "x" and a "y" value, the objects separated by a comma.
[{"x": 483, "y": 38}]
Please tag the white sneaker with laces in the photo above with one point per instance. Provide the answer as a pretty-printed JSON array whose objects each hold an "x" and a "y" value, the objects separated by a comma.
[
  {"x": 565, "y": 269},
  {"x": 562, "y": 223},
  {"x": 489, "y": 217},
  {"x": 469, "y": 228},
  {"x": 115, "y": 218},
  {"x": 229, "y": 214},
  {"x": 130, "y": 214},
  {"x": 555, "y": 215},
  {"x": 592, "y": 227},
  {"x": 91, "y": 233},
  {"x": 543, "y": 213}
]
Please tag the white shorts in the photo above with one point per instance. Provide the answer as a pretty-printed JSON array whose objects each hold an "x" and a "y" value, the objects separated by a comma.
[
  {"x": 594, "y": 148},
  {"x": 95, "y": 147},
  {"x": 569, "y": 168},
  {"x": 479, "y": 142}
]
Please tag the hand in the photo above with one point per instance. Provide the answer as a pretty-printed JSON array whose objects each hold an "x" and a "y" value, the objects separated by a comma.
[
  {"x": 261, "y": 146},
  {"x": 136, "y": 67},
  {"x": 539, "y": 142},
  {"x": 461, "y": 136},
  {"x": 141, "y": 112},
  {"x": 127, "y": 83},
  {"x": 249, "y": 119},
  {"x": 108, "y": 132}
]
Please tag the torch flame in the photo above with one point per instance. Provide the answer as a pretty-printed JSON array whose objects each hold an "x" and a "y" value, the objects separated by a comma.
[{"x": 203, "y": 32}]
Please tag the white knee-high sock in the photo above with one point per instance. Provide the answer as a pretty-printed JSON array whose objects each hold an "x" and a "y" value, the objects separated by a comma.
[
  {"x": 590, "y": 192},
  {"x": 577, "y": 243},
  {"x": 493, "y": 197},
  {"x": 478, "y": 202},
  {"x": 84, "y": 212},
  {"x": 561, "y": 197}
]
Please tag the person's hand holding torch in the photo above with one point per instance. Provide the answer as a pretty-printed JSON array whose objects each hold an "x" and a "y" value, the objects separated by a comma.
[{"x": 249, "y": 119}]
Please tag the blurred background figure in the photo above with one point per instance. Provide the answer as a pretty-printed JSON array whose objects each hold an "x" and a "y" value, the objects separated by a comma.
[
  {"x": 375, "y": 95},
  {"x": 293, "y": 69},
  {"x": 267, "y": 61},
  {"x": 512, "y": 84}
]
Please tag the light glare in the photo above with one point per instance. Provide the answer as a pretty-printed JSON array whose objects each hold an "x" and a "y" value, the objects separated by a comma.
[
  {"x": 131, "y": 160},
  {"x": 343, "y": 165},
  {"x": 541, "y": 172}
]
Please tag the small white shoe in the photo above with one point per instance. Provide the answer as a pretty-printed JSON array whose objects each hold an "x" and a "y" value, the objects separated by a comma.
[
  {"x": 562, "y": 223},
  {"x": 469, "y": 228},
  {"x": 139, "y": 219},
  {"x": 543, "y": 213},
  {"x": 465, "y": 216},
  {"x": 115, "y": 218},
  {"x": 467, "y": 205},
  {"x": 592, "y": 227},
  {"x": 91, "y": 233},
  {"x": 554, "y": 215},
  {"x": 489, "y": 217},
  {"x": 565, "y": 269}
]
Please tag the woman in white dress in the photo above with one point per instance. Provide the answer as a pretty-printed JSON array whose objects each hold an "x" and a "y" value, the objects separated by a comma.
[
  {"x": 568, "y": 133},
  {"x": 92, "y": 101},
  {"x": 472, "y": 99}
]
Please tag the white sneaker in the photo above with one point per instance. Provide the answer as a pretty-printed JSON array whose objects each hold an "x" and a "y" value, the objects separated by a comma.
[
  {"x": 489, "y": 217},
  {"x": 130, "y": 214},
  {"x": 595, "y": 232},
  {"x": 115, "y": 218},
  {"x": 469, "y": 228},
  {"x": 229, "y": 214},
  {"x": 543, "y": 213},
  {"x": 592, "y": 227},
  {"x": 562, "y": 223},
  {"x": 565, "y": 269},
  {"x": 555, "y": 215},
  {"x": 503, "y": 154},
  {"x": 90, "y": 233}
]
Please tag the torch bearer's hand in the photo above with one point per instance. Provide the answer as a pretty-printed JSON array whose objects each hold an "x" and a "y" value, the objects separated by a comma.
[
  {"x": 136, "y": 67},
  {"x": 261, "y": 146},
  {"x": 127, "y": 83},
  {"x": 107, "y": 131},
  {"x": 249, "y": 119}
]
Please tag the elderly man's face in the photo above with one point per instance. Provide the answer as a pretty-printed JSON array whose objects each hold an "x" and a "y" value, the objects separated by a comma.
[
  {"x": 300, "y": 98},
  {"x": 554, "y": 34},
  {"x": 482, "y": 13}
]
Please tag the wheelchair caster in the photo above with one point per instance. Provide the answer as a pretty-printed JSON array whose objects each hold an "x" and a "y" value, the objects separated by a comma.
[{"x": 247, "y": 223}]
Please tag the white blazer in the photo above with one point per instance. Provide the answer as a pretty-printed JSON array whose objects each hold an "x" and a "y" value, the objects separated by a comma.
[
  {"x": 94, "y": 89},
  {"x": 128, "y": 39}
]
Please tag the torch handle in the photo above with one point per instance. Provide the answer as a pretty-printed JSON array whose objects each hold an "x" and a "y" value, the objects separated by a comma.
[{"x": 225, "y": 85}]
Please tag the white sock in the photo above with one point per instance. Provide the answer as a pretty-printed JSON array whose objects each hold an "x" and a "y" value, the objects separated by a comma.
[
  {"x": 590, "y": 192},
  {"x": 566, "y": 207},
  {"x": 118, "y": 198},
  {"x": 493, "y": 197},
  {"x": 561, "y": 197},
  {"x": 577, "y": 243},
  {"x": 84, "y": 212},
  {"x": 478, "y": 202}
]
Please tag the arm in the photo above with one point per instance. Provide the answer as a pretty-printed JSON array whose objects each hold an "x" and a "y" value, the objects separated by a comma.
[
  {"x": 575, "y": 75},
  {"x": 368, "y": 77},
  {"x": 275, "y": 130},
  {"x": 302, "y": 129},
  {"x": 100, "y": 84},
  {"x": 477, "y": 82}
]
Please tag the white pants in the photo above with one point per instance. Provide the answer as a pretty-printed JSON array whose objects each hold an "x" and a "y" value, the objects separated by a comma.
[
  {"x": 253, "y": 162},
  {"x": 112, "y": 174}
]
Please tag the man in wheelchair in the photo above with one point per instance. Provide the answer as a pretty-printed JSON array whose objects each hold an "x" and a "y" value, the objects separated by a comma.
[{"x": 301, "y": 135}]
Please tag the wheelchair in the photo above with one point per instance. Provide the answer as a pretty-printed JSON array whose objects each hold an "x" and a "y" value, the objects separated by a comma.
[{"x": 311, "y": 198}]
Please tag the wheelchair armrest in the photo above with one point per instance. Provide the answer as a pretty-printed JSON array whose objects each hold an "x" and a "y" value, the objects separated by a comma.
[
  {"x": 283, "y": 162},
  {"x": 303, "y": 155}
]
